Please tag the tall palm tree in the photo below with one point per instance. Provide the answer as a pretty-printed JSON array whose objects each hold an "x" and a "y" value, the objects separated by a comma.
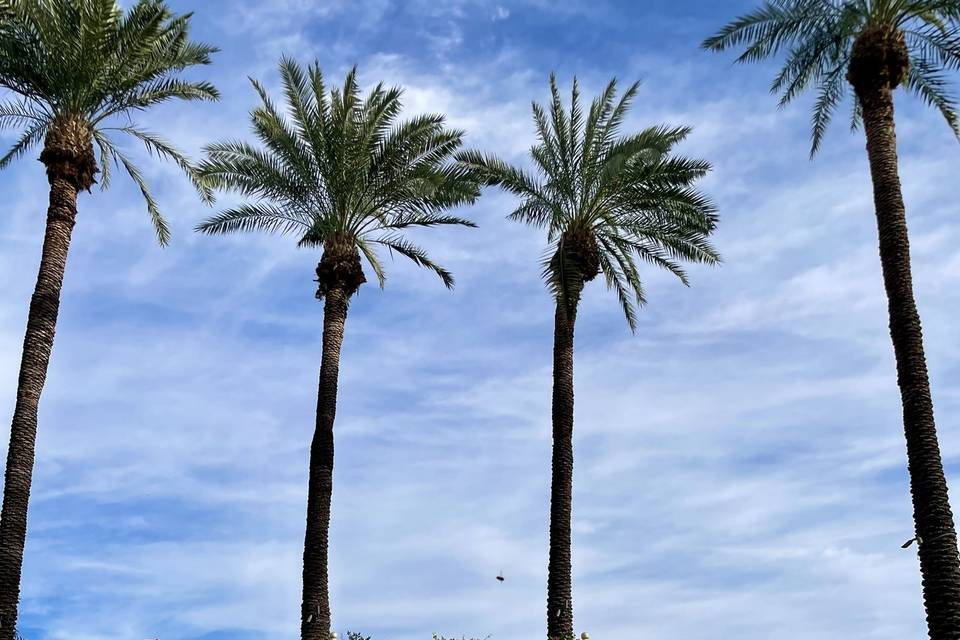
[
  {"x": 76, "y": 71},
  {"x": 609, "y": 202},
  {"x": 342, "y": 174},
  {"x": 876, "y": 46}
]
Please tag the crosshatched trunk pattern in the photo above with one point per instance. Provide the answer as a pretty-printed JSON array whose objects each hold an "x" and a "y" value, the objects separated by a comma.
[
  {"x": 939, "y": 562},
  {"x": 71, "y": 166},
  {"x": 559, "y": 578},
  {"x": 315, "y": 610},
  {"x": 37, "y": 345}
]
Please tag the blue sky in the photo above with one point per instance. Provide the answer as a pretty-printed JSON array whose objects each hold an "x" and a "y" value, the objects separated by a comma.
[{"x": 740, "y": 468}]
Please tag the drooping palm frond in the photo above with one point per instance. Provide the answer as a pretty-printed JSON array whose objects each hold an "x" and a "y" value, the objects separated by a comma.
[
  {"x": 89, "y": 59},
  {"x": 334, "y": 165},
  {"x": 635, "y": 196},
  {"x": 817, "y": 38}
]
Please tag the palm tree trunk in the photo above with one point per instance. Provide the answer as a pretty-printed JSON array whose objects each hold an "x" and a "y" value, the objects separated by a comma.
[
  {"x": 933, "y": 519},
  {"x": 559, "y": 578},
  {"x": 37, "y": 344},
  {"x": 315, "y": 610}
]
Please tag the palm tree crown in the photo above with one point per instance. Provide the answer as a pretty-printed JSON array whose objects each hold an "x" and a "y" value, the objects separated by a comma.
[
  {"x": 76, "y": 67},
  {"x": 342, "y": 174},
  {"x": 608, "y": 201},
  {"x": 820, "y": 37}
]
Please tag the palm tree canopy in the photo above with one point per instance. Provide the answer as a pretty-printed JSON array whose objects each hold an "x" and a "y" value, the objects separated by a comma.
[
  {"x": 340, "y": 172},
  {"x": 89, "y": 62},
  {"x": 818, "y": 37},
  {"x": 608, "y": 202}
]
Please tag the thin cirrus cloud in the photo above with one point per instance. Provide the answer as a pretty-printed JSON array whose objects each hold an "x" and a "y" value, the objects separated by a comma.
[{"x": 739, "y": 460}]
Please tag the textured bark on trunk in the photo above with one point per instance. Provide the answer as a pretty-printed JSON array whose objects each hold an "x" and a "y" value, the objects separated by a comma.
[
  {"x": 559, "y": 578},
  {"x": 933, "y": 519},
  {"x": 315, "y": 610},
  {"x": 37, "y": 344}
]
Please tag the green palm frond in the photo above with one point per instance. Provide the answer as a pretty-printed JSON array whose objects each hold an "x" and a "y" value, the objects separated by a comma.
[
  {"x": 337, "y": 164},
  {"x": 560, "y": 273},
  {"x": 20, "y": 113},
  {"x": 395, "y": 242},
  {"x": 90, "y": 60},
  {"x": 156, "y": 218},
  {"x": 28, "y": 140},
  {"x": 816, "y": 38},
  {"x": 930, "y": 83},
  {"x": 156, "y": 145},
  {"x": 631, "y": 193},
  {"x": 370, "y": 255},
  {"x": 258, "y": 216},
  {"x": 427, "y": 219},
  {"x": 620, "y": 271}
]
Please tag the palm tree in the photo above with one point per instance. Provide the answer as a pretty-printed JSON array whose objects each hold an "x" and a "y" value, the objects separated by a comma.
[
  {"x": 77, "y": 70},
  {"x": 608, "y": 203},
  {"x": 343, "y": 176},
  {"x": 877, "y": 46}
]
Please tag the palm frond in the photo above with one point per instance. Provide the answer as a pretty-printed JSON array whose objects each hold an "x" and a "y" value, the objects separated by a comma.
[
  {"x": 629, "y": 195},
  {"x": 817, "y": 38},
  {"x": 930, "y": 83},
  {"x": 620, "y": 271},
  {"x": 428, "y": 219},
  {"x": 156, "y": 145},
  {"x": 28, "y": 140},
  {"x": 771, "y": 27},
  {"x": 416, "y": 254},
  {"x": 333, "y": 166},
  {"x": 255, "y": 216},
  {"x": 831, "y": 92},
  {"x": 107, "y": 158},
  {"x": 20, "y": 113},
  {"x": 160, "y": 226},
  {"x": 373, "y": 260},
  {"x": 91, "y": 60}
]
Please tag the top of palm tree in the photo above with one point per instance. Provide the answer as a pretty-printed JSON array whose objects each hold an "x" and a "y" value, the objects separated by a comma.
[
  {"x": 89, "y": 63},
  {"x": 341, "y": 172},
  {"x": 607, "y": 200},
  {"x": 819, "y": 35}
]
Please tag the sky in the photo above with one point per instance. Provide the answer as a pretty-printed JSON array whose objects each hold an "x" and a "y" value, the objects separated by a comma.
[{"x": 739, "y": 469}]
